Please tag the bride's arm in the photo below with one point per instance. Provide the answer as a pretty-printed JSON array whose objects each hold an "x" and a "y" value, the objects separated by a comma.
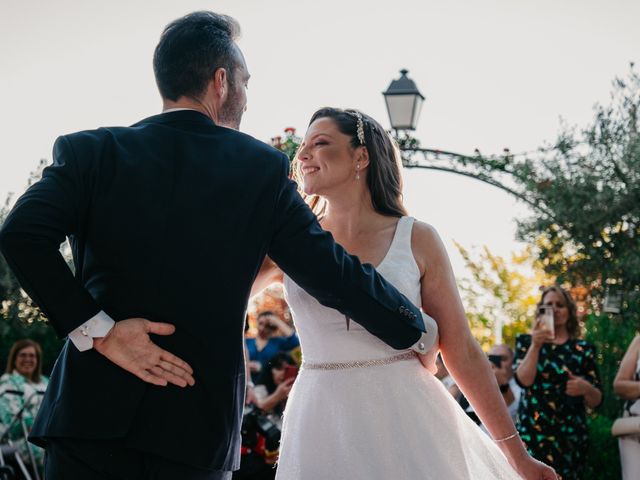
[
  {"x": 461, "y": 353},
  {"x": 269, "y": 273},
  {"x": 625, "y": 385}
]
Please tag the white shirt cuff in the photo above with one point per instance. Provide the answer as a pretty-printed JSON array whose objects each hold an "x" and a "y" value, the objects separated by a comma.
[
  {"x": 429, "y": 339},
  {"x": 96, "y": 327}
]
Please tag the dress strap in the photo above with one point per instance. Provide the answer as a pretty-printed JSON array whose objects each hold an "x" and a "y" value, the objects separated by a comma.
[
  {"x": 400, "y": 249},
  {"x": 402, "y": 237}
]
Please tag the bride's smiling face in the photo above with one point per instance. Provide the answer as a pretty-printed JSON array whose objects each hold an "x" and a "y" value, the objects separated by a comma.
[{"x": 327, "y": 160}]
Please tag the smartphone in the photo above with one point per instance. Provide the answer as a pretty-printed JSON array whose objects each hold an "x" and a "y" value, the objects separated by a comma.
[
  {"x": 545, "y": 314},
  {"x": 496, "y": 360},
  {"x": 290, "y": 371}
]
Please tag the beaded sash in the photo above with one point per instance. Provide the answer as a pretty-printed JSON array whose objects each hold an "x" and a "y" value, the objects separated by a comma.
[{"x": 359, "y": 363}]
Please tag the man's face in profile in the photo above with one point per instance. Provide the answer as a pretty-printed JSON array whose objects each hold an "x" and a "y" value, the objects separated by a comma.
[{"x": 235, "y": 104}]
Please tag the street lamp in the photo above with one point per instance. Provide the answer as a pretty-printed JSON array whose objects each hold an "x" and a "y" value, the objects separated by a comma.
[{"x": 404, "y": 102}]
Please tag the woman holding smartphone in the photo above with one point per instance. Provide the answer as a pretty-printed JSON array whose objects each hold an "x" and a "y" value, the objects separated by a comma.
[{"x": 558, "y": 374}]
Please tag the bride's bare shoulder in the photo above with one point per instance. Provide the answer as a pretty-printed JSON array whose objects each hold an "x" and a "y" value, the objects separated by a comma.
[
  {"x": 424, "y": 235},
  {"x": 427, "y": 246}
]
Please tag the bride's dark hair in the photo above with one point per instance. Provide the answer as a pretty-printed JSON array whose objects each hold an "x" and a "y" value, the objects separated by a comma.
[{"x": 383, "y": 174}]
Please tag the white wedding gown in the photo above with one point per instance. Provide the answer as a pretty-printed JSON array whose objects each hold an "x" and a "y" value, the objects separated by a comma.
[{"x": 377, "y": 420}]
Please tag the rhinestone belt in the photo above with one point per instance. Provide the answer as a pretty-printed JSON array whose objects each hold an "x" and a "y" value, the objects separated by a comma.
[{"x": 359, "y": 363}]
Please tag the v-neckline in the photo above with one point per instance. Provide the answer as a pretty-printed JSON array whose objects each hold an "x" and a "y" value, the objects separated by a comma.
[{"x": 393, "y": 241}]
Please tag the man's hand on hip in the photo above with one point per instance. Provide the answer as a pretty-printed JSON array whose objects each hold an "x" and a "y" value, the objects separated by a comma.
[{"x": 128, "y": 345}]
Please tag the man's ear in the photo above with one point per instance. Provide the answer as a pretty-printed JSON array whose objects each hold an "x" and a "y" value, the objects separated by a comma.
[{"x": 220, "y": 82}]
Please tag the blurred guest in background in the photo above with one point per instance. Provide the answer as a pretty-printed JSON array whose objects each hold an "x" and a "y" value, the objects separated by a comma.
[
  {"x": 627, "y": 386},
  {"x": 262, "y": 423},
  {"x": 557, "y": 372},
  {"x": 501, "y": 360},
  {"x": 275, "y": 384},
  {"x": 274, "y": 335},
  {"x": 21, "y": 389}
]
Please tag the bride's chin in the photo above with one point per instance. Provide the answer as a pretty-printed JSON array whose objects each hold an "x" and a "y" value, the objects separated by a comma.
[{"x": 308, "y": 190}]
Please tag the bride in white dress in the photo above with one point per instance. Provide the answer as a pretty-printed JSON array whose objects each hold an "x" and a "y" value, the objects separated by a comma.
[{"x": 360, "y": 409}]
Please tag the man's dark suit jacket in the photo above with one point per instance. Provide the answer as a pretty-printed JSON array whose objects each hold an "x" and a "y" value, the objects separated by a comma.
[{"x": 170, "y": 220}]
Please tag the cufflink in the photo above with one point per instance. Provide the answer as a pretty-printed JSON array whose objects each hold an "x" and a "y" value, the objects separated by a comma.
[{"x": 84, "y": 330}]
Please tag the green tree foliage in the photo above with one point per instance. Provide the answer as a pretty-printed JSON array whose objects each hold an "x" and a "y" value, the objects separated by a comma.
[
  {"x": 588, "y": 183},
  {"x": 500, "y": 292}
]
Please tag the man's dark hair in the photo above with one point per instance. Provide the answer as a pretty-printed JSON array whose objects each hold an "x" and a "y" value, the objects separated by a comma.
[{"x": 191, "y": 49}]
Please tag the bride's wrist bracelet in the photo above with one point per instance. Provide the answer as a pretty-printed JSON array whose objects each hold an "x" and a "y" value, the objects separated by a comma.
[{"x": 509, "y": 437}]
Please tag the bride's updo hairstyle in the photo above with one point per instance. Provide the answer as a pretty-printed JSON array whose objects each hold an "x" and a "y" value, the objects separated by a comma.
[{"x": 383, "y": 173}]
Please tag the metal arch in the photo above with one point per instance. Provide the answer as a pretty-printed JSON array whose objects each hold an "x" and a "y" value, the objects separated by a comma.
[{"x": 472, "y": 167}]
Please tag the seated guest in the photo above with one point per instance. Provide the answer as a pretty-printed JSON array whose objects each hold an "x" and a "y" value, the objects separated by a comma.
[
  {"x": 21, "y": 386},
  {"x": 274, "y": 336}
]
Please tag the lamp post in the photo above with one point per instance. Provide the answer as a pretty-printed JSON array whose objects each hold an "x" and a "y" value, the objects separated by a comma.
[{"x": 404, "y": 102}]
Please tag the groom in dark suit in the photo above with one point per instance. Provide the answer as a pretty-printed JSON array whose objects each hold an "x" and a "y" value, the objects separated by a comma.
[{"x": 169, "y": 221}]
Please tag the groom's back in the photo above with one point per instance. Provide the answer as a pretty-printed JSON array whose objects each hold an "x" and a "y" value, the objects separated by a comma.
[
  {"x": 177, "y": 219},
  {"x": 180, "y": 211}
]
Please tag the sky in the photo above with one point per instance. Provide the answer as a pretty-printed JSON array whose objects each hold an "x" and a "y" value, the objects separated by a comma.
[{"x": 495, "y": 74}]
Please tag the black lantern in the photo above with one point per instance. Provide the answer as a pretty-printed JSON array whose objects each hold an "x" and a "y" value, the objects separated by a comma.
[
  {"x": 404, "y": 102},
  {"x": 612, "y": 301}
]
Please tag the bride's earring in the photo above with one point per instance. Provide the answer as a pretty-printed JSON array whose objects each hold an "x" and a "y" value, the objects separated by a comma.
[{"x": 358, "y": 171}]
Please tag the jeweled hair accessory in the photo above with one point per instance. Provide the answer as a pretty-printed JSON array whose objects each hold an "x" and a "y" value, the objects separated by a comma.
[{"x": 360, "y": 126}]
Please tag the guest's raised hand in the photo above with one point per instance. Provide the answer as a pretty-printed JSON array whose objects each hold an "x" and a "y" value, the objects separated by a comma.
[
  {"x": 282, "y": 390},
  {"x": 255, "y": 366},
  {"x": 129, "y": 346},
  {"x": 539, "y": 334}
]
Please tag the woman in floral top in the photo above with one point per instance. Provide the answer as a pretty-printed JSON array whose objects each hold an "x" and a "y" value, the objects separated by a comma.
[
  {"x": 23, "y": 375},
  {"x": 558, "y": 374}
]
